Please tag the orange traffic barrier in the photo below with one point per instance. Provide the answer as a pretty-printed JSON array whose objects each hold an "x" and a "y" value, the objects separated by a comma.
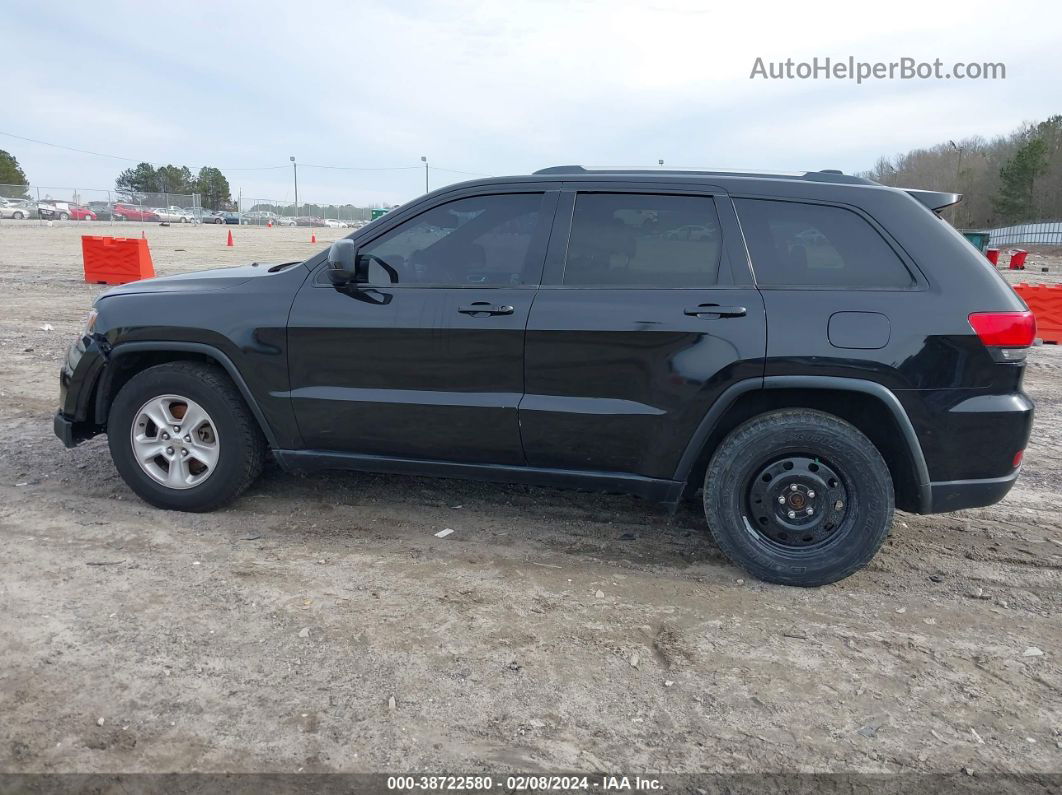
[
  {"x": 1045, "y": 301},
  {"x": 229, "y": 242},
  {"x": 116, "y": 260}
]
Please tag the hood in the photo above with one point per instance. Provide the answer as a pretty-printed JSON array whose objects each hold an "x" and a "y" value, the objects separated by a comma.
[{"x": 195, "y": 282}]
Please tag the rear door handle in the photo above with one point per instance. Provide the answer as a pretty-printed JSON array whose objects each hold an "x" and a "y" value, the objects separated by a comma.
[
  {"x": 716, "y": 311},
  {"x": 485, "y": 309}
]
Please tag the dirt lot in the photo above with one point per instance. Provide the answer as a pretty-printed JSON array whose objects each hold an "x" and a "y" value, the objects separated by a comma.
[{"x": 319, "y": 625}]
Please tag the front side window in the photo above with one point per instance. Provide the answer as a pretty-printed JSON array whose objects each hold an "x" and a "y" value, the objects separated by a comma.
[
  {"x": 481, "y": 240},
  {"x": 814, "y": 245},
  {"x": 648, "y": 240}
]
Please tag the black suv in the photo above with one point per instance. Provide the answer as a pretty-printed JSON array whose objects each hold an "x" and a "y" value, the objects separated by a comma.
[{"x": 813, "y": 348}]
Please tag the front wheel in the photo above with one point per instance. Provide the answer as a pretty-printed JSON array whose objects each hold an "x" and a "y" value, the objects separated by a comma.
[
  {"x": 798, "y": 497},
  {"x": 182, "y": 437}
]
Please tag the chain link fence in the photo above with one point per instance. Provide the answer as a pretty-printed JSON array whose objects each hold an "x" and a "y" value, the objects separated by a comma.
[{"x": 46, "y": 204}]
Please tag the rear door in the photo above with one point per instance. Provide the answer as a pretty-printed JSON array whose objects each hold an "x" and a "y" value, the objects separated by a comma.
[
  {"x": 426, "y": 360},
  {"x": 645, "y": 315}
]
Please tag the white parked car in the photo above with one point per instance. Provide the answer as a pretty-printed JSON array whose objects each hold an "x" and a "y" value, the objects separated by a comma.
[
  {"x": 18, "y": 209},
  {"x": 334, "y": 224},
  {"x": 174, "y": 215}
]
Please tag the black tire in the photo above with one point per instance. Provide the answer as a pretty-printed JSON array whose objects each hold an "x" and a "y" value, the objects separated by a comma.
[
  {"x": 18, "y": 216},
  {"x": 815, "y": 462},
  {"x": 64, "y": 217},
  {"x": 241, "y": 446},
  {"x": 219, "y": 221}
]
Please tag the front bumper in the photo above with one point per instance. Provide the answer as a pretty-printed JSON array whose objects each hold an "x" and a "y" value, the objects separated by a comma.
[
  {"x": 64, "y": 429},
  {"x": 76, "y": 419}
]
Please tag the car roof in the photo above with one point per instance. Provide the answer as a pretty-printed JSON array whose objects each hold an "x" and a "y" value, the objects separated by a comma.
[{"x": 824, "y": 184}]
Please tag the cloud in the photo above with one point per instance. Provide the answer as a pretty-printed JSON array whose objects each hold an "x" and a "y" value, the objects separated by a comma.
[{"x": 497, "y": 88}]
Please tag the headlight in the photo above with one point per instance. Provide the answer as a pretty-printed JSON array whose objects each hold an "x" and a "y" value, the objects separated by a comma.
[{"x": 90, "y": 323}]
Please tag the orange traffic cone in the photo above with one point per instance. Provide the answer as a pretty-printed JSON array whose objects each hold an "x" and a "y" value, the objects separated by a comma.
[
  {"x": 270, "y": 224},
  {"x": 229, "y": 243},
  {"x": 313, "y": 237}
]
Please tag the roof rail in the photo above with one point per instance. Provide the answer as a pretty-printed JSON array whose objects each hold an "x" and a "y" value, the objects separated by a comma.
[{"x": 825, "y": 175}]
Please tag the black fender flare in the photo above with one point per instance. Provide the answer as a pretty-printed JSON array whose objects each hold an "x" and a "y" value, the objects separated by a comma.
[
  {"x": 218, "y": 356},
  {"x": 833, "y": 383}
]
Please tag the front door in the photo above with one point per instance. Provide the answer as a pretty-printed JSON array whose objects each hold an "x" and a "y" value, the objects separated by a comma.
[
  {"x": 642, "y": 320},
  {"x": 426, "y": 360}
]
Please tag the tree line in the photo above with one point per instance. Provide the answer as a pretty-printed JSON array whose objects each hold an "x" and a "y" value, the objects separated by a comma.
[
  {"x": 144, "y": 178},
  {"x": 1004, "y": 180}
]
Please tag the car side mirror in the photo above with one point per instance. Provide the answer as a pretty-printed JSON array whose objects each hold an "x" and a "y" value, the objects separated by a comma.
[{"x": 341, "y": 262}]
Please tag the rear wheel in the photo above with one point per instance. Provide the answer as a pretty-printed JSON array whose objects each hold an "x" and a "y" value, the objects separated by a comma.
[
  {"x": 182, "y": 438},
  {"x": 798, "y": 497},
  {"x": 18, "y": 216},
  {"x": 64, "y": 217}
]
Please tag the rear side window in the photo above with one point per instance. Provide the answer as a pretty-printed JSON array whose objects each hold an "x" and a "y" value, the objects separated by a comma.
[
  {"x": 813, "y": 245},
  {"x": 638, "y": 239}
]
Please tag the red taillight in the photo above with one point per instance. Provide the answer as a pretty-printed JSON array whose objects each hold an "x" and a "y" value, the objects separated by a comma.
[
  {"x": 1005, "y": 329},
  {"x": 1017, "y": 459}
]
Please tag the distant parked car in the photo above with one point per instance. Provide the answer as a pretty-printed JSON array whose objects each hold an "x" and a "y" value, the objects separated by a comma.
[
  {"x": 173, "y": 215},
  {"x": 51, "y": 210},
  {"x": 284, "y": 220},
  {"x": 17, "y": 209},
  {"x": 260, "y": 217},
  {"x": 128, "y": 212},
  {"x": 309, "y": 220},
  {"x": 79, "y": 213},
  {"x": 102, "y": 210},
  {"x": 222, "y": 217},
  {"x": 335, "y": 223}
]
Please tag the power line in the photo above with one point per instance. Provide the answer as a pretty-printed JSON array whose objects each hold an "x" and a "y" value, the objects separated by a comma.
[
  {"x": 117, "y": 157},
  {"x": 242, "y": 168},
  {"x": 359, "y": 168}
]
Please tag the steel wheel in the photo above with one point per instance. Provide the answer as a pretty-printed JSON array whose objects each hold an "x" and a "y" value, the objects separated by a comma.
[
  {"x": 797, "y": 502},
  {"x": 175, "y": 441}
]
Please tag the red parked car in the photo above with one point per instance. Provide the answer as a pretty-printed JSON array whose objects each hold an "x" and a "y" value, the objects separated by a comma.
[
  {"x": 127, "y": 212},
  {"x": 81, "y": 213}
]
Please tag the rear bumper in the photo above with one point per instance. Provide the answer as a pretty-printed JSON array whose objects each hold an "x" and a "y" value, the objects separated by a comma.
[{"x": 954, "y": 495}]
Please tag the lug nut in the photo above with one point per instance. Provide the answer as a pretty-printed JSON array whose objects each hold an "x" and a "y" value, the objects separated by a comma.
[
  {"x": 188, "y": 437},
  {"x": 164, "y": 436},
  {"x": 791, "y": 514},
  {"x": 176, "y": 428},
  {"x": 781, "y": 500},
  {"x": 838, "y": 505},
  {"x": 793, "y": 487},
  {"x": 184, "y": 452},
  {"x": 169, "y": 451},
  {"x": 811, "y": 494},
  {"x": 810, "y": 511}
]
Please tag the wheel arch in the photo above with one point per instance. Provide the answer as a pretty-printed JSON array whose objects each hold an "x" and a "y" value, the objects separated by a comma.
[
  {"x": 868, "y": 405},
  {"x": 129, "y": 358}
]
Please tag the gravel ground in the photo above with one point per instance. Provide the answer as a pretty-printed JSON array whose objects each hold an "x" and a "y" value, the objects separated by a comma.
[{"x": 319, "y": 625}]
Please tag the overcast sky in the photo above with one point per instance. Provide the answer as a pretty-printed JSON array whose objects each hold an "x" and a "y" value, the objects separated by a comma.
[{"x": 496, "y": 87}]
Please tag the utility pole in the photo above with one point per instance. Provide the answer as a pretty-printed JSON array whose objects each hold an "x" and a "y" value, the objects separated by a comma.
[
  {"x": 425, "y": 161},
  {"x": 295, "y": 171}
]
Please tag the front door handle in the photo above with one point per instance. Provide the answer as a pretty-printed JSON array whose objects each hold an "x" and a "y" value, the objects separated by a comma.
[
  {"x": 485, "y": 309},
  {"x": 715, "y": 310}
]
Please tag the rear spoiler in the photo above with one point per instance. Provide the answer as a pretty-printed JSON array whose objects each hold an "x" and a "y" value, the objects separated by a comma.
[{"x": 935, "y": 200}]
